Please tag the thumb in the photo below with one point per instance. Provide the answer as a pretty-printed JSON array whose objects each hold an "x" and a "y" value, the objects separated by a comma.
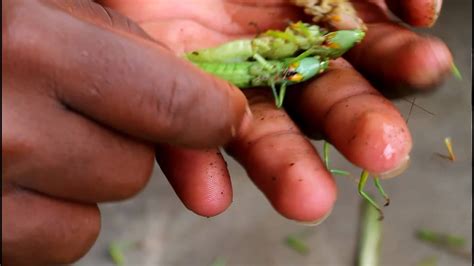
[{"x": 125, "y": 81}]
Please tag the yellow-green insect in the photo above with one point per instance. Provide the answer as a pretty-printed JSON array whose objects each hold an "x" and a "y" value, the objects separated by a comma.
[
  {"x": 275, "y": 45},
  {"x": 282, "y": 58},
  {"x": 267, "y": 73}
]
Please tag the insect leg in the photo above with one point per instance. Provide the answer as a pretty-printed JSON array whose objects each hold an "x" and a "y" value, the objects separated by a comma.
[
  {"x": 363, "y": 180},
  {"x": 275, "y": 95},
  {"x": 263, "y": 62},
  {"x": 326, "y": 153},
  {"x": 380, "y": 189},
  {"x": 326, "y": 147},
  {"x": 282, "y": 94},
  {"x": 339, "y": 172},
  {"x": 304, "y": 54}
]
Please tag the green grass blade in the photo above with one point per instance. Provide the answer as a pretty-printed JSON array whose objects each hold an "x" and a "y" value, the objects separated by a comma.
[
  {"x": 297, "y": 245},
  {"x": 432, "y": 237},
  {"x": 456, "y": 72},
  {"x": 116, "y": 254}
]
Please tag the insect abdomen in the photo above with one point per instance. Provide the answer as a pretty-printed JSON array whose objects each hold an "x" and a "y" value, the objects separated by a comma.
[
  {"x": 231, "y": 52},
  {"x": 238, "y": 74}
]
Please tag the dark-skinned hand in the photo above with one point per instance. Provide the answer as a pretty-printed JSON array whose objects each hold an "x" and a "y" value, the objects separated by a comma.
[{"x": 89, "y": 96}]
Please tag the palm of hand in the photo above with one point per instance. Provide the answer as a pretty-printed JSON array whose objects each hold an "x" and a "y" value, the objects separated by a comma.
[{"x": 366, "y": 128}]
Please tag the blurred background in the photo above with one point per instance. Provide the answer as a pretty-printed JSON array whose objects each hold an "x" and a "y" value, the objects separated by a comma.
[{"x": 434, "y": 193}]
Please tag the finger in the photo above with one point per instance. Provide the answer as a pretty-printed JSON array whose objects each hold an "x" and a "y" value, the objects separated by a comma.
[
  {"x": 397, "y": 56},
  {"x": 365, "y": 127},
  {"x": 418, "y": 13},
  {"x": 129, "y": 83},
  {"x": 283, "y": 163},
  {"x": 39, "y": 230},
  {"x": 199, "y": 177},
  {"x": 50, "y": 149}
]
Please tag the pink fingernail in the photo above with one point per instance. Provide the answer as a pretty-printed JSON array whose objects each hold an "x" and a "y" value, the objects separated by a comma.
[
  {"x": 318, "y": 221},
  {"x": 397, "y": 170},
  {"x": 437, "y": 8}
]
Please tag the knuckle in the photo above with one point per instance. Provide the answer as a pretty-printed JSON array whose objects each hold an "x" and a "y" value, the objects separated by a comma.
[
  {"x": 77, "y": 245},
  {"x": 15, "y": 148},
  {"x": 133, "y": 176},
  {"x": 43, "y": 230},
  {"x": 20, "y": 33}
]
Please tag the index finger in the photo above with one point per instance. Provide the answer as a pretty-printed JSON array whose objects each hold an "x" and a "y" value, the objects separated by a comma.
[{"x": 126, "y": 82}]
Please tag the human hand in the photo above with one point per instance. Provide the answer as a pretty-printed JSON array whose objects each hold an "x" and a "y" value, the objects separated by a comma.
[
  {"x": 85, "y": 96},
  {"x": 341, "y": 105}
]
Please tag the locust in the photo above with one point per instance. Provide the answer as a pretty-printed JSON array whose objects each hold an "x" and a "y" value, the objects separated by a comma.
[{"x": 294, "y": 55}]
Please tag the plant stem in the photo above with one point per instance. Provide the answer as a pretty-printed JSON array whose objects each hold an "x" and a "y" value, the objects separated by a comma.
[{"x": 370, "y": 236}]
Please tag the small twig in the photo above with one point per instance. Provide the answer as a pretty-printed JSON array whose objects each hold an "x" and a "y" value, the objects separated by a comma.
[
  {"x": 449, "y": 146},
  {"x": 370, "y": 236}
]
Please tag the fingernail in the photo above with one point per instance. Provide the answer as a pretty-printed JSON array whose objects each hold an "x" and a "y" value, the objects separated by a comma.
[
  {"x": 437, "y": 9},
  {"x": 397, "y": 170},
  {"x": 316, "y": 222},
  {"x": 245, "y": 124},
  {"x": 441, "y": 54}
]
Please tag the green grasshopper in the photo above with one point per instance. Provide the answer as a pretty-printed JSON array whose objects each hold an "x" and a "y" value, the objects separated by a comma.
[
  {"x": 275, "y": 45},
  {"x": 283, "y": 58},
  {"x": 268, "y": 73}
]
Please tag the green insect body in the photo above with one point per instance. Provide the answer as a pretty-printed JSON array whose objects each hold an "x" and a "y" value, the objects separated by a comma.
[
  {"x": 254, "y": 74},
  {"x": 275, "y": 45},
  {"x": 284, "y": 72},
  {"x": 283, "y": 58}
]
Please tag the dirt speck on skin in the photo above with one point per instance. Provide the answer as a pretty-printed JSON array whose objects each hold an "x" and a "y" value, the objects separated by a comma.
[{"x": 352, "y": 139}]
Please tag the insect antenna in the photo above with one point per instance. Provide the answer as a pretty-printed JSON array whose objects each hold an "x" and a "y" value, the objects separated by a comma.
[
  {"x": 413, "y": 104},
  {"x": 411, "y": 109}
]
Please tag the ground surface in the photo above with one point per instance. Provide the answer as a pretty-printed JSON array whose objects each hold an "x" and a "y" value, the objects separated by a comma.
[{"x": 433, "y": 193}]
